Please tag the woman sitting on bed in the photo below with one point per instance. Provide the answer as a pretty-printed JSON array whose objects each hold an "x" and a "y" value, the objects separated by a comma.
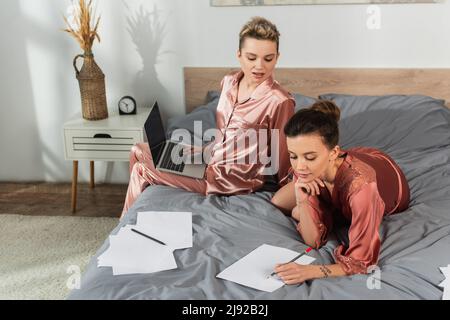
[
  {"x": 362, "y": 185},
  {"x": 250, "y": 99}
]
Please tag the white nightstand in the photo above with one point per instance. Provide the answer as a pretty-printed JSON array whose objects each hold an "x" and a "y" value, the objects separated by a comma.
[{"x": 104, "y": 140}]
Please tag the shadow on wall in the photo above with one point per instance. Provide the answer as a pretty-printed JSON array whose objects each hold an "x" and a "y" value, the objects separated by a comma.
[
  {"x": 19, "y": 133},
  {"x": 147, "y": 32},
  {"x": 51, "y": 100}
]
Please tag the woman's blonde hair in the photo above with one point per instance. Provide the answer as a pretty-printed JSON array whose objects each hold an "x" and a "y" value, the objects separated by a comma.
[{"x": 261, "y": 29}]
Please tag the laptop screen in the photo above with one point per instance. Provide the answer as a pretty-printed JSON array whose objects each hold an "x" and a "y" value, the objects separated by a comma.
[{"x": 154, "y": 130}]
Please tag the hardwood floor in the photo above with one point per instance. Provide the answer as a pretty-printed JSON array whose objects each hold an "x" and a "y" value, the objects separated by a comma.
[{"x": 53, "y": 199}]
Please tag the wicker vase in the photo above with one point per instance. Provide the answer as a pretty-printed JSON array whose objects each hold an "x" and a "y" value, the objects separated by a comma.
[{"x": 92, "y": 88}]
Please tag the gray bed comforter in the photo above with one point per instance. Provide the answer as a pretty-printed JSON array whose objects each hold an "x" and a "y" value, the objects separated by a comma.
[{"x": 414, "y": 130}]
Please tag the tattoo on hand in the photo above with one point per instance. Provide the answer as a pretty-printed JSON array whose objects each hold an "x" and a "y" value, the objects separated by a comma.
[{"x": 325, "y": 270}]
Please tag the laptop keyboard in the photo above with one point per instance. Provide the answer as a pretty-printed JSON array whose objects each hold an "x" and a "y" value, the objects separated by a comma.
[{"x": 167, "y": 163}]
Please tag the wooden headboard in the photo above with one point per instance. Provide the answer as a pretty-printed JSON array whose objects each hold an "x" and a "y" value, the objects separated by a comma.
[{"x": 315, "y": 81}]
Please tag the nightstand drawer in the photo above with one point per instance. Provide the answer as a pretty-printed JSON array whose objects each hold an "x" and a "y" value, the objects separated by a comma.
[{"x": 100, "y": 144}]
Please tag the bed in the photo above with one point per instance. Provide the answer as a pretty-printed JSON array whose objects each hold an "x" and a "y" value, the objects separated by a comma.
[{"x": 400, "y": 111}]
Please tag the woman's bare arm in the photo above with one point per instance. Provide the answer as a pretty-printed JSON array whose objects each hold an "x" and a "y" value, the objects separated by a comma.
[{"x": 284, "y": 199}]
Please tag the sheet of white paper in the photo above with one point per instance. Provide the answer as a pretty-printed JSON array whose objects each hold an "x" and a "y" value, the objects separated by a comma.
[
  {"x": 254, "y": 269},
  {"x": 446, "y": 271},
  {"x": 446, "y": 283},
  {"x": 130, "y": 252},
  {"x": 167, "y": 263},
  {"x": 107, "y": 258},
  {"x": 172, "y": 228}
]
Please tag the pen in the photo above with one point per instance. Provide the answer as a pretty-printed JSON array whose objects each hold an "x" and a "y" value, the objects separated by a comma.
[
  {"x": 292, "y": 260},
  {"x": 147, "y": 236}
]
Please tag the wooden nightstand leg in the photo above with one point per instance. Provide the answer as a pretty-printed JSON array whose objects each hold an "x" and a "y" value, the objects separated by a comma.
[
  {"x": 74, "y": 186},
  {"x": 92, "y": 175}
]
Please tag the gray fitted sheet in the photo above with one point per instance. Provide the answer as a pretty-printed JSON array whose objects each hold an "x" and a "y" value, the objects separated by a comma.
[{"x": 415, "y": 243}]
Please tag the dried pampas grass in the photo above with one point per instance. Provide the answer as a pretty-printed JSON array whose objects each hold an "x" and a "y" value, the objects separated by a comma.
[{"x": 81, "y": 28}]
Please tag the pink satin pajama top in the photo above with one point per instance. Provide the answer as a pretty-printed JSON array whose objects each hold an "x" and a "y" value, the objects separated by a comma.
[
  {"x": 269, "y": 108},
  {"x": 368, "y": 185}
]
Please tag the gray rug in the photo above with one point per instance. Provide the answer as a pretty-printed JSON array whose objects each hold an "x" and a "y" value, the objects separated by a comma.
[{"x": 41, "y": 257}]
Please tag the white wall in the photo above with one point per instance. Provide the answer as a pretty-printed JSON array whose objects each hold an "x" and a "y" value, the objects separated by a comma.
[{"x": 146, "y": 43}]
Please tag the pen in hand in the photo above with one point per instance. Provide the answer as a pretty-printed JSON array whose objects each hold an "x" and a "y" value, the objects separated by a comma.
[
  {"x": 147, "y": 236},
  {"x": 292, "y": 260}
]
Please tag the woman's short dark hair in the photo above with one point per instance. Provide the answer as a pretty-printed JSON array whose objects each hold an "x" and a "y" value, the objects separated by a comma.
[{"x": 320, "y": 118}]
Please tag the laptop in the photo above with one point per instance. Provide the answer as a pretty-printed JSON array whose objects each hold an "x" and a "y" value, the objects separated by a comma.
[{"x": 168, "y": 155}]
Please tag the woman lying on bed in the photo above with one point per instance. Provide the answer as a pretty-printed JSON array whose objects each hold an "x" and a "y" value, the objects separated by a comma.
[
  {"x": 250, "y": 99},
  {"x": 362, "y": 185}
]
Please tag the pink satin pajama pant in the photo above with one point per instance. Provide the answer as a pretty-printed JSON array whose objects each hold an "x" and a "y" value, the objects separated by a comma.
[{"x": 143, "y": 173}]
